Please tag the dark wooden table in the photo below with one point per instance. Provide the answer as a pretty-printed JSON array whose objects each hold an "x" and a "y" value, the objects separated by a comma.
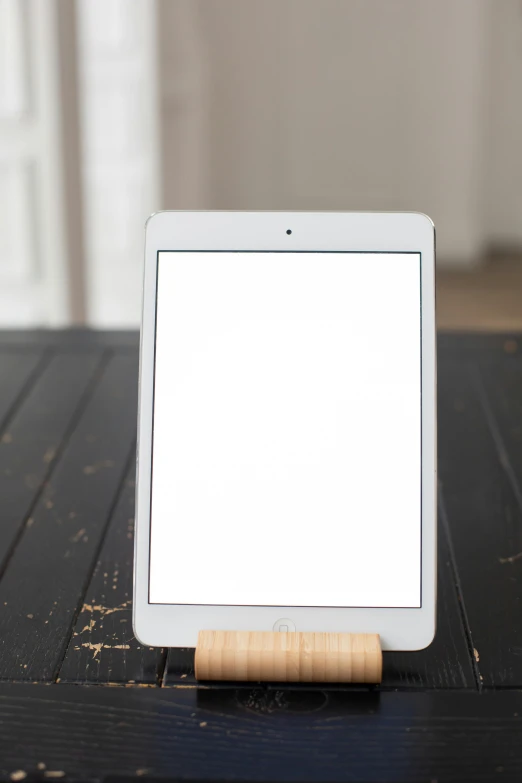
[{"x": 81, "y": 699}]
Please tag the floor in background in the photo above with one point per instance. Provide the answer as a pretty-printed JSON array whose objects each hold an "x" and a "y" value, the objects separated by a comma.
[{"x": 488, "y": 298}]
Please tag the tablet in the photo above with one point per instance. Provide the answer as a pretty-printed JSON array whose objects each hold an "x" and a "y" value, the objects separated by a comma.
[{"x": 287, "y": 428}]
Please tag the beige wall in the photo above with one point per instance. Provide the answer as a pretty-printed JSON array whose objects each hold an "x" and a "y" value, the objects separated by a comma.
[
  {"x": 503, "y": 180},
  {"x": 359, "y": 104}
]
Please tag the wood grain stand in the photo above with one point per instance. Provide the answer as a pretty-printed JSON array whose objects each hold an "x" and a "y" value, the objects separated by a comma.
[{"x": 268, "y": 656}]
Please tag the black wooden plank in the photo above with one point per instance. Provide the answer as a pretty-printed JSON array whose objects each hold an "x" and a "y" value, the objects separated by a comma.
[
  {"x": 450, "y": 343},
  {"x": 192, "y": 734},
  {"x": 446, "y": 663},
  {"x": 50, "y": 569},
  {"x": 103, "y": 648},
  {"x": 34, "y": 435},
  {"x": 476, "y": 346},
  {"x": 485, "y": 520},
  {"x": 72, "y": 338},
  {"x": 17, "y": 372}
]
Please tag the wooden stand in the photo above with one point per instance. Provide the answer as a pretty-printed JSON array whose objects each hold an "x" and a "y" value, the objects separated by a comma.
[{"x": 269, "y": 656}]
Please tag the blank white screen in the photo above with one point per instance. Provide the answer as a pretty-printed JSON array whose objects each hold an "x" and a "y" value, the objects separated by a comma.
[{"x": 287, "y": 430}]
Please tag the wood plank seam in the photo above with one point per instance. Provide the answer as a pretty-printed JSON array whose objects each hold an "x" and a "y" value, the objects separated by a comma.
[
  {"x": 494, "y": 429},
  {"x": 162, "y": 668},
  {"x": 82, "y": 404},
  {"x": 81, "y": 599},
  {"x": 26, "y": 388},
  {"x": 458, "y": 589}
]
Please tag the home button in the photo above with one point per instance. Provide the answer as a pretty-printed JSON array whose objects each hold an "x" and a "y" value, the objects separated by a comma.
[{"x": 284, "y": 625}]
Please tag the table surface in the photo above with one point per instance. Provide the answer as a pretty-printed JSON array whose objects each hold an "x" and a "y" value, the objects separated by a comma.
[{"x": 80, "y": 698}]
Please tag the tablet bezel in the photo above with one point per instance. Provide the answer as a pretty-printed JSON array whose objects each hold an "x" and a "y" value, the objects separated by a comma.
[{"x": 178, "y": 625}]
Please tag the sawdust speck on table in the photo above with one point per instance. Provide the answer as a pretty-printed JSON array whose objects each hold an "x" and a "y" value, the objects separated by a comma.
[
  {"x": 511, "y": 559},
  {"x": 90, "y": 469},
  {"x": 100, "y": 646}
]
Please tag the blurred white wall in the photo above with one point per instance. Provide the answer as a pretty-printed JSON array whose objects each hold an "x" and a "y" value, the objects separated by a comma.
[
  {"x": 36, "y": 277},
  {"x": 244, "y": 104}
]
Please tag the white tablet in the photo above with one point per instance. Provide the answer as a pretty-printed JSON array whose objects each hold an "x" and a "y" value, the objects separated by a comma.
[{"x": 287, "y": 445}]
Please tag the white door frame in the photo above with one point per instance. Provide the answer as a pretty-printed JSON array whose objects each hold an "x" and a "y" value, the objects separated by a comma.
[{"x": 34, "y": 258}]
